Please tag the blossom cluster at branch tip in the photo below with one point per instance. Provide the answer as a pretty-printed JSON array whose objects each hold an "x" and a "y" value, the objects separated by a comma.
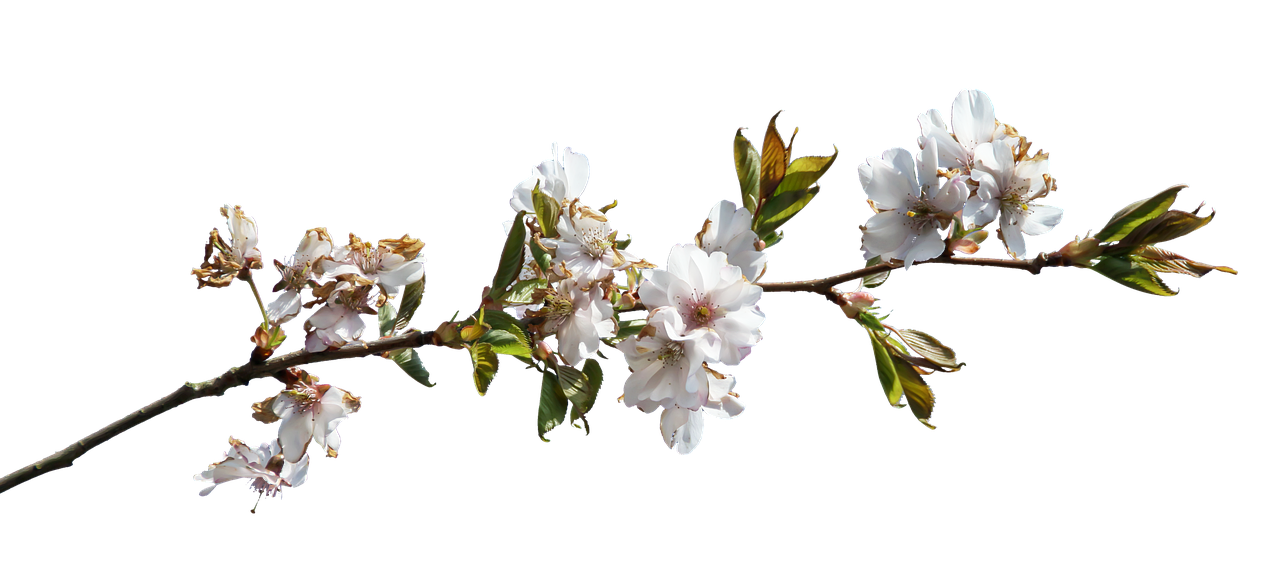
[{"x": 962, "y": 180}]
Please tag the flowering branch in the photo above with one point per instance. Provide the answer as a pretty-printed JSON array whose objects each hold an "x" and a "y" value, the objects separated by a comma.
[{"x": 236, "y": 376}]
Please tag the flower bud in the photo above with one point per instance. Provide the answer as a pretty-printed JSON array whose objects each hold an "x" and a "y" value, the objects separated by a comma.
[
  {"x": 626, "y": 301},
  {"x": 854, "y": 304},
  {"x": 541, "y": 352}
]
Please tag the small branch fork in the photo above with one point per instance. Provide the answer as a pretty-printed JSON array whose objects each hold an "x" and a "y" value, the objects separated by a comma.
[{"x": 235, "y": 376}]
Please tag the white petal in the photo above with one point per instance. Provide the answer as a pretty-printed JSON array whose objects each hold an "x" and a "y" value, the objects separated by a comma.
[
  {"x": 884, "y": 233},
  {"x": 1012, "y": 235},
  {"x": 295, "y": 434},
  {"x": 973, "y": 118},
  {"x": 928, "y": 245},
  {"x": 576, "y": 170},
  {"x": 1040, "y": 219}
]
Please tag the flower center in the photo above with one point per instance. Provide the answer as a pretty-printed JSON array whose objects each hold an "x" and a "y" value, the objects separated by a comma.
[
  {"x": 561, "y": 306},
  {"x": 699, "y": 311},
  {"x": 595, "y": 240},
  {"x": 671, "y": 354},
  {"x": 303, "y": 399},
  {"x": 920, "y": 214}
]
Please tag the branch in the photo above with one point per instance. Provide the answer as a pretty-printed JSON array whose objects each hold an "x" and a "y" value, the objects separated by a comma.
[
  {"x": 233, "y": 377},
  {"x": 826, "y": 286}
]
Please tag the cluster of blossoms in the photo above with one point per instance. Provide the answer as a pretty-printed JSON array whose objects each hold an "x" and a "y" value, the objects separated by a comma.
[
  {"x": 701, "y": 309},
  {"x": 346, "y": 282},
  {"x": 961, "y": 181}
]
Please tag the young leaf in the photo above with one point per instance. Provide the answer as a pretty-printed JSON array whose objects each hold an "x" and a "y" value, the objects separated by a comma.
[
  {"x": 773, "y": 161},
  {"x": 1137, "y": 213},
  {"x": 409, "y": 302},
  {"x": 521, "y": 292},
  {"x": 747, "y": 162},
  {"x": 1132, "y": 275},
  {"x": 409, "y": 361},
  {"x": 552, "y": 405},
  {"x": 780, "y": 208},
  {"x": 804, "y": 172},
  {"x": 386, "y": 319},
  {"x": 885, "y": 368},
  {"x": 512, "y": 258},
  {"x": 877, "y": 279},
  {"x": 575, "y": 387},
  {"x": 1157, "y": 260},
  {"x": 919, "y": 396},
  {"x": 930, "y": 348},
  {"x": 506, "y": 336},
  {"x": 1166, "y": 227},
  {"x": 484, "y": 363},
  {"x": 547, "y": 210},
  {"x": 540, "y": 256}
]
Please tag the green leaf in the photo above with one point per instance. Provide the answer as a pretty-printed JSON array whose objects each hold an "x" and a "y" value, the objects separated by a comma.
[
  {"x": 1132, "y": 275},
  {"x": 577, "y": 388},
  {"x": 885, "y": 368},
  {"x": 595, "y": 377},
  {"x": 521, "y": 292},
  {"x": 930, "y": 348},
  {"x": 411, "y": 364},
  {"x": 484, "y": 363},
  {"x": 870, "y": 321},
  {"x": 512, "y": 258},
  {"x": 919, "y": 396},
  {"x": 773, "y": 161},
  {"x": 552, "y": 405},
  {"x": 409, "y": 302},
  {"x": 622, "y": 245},
  {"x": 747, "y": 161},
  {"x": 386, "y": 319},
  {"x": 781, "y": 208},
  {"x": 547, "y": 209},
  {"x": 877, "y": 279},
  {"x": 1137, "y": 213},
  {"x": 506, "y": 336},
  {"x": 804, "y": 172},
  {"x": 629, "y": 328},
  {"x": 1166, "y": 227},
  {"x": 540, "y": 256}
]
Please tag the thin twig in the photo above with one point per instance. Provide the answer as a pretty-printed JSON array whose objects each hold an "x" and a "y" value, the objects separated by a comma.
[{"x": 233, "y": 377}]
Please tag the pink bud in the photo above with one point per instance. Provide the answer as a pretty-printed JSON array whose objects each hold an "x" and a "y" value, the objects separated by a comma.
[
  {"x": 854, "y": 304},
  {"x": 541, "y": 352}
]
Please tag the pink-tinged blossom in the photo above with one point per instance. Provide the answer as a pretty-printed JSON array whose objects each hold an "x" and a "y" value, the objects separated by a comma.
[
  {"x": 563, "y": 180},
  {"x": 310, "y": 411},
  {"x": 586, "y": 245},
  {"x": 339, "y": 320},
  {"x": 666, "y": 362},
  {"x": 728, "y": 230},
  {"x": 391, "y": 264},
  {"x": 265, "y": 468},
  {"x": 578, "y": 318},
  {"x": 296, "y": 273},
  {"x": 912, "y": 201}
]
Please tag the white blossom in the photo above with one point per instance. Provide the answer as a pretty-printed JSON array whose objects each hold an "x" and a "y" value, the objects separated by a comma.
[
  {"x": 728, "y": 230},
  {"x": 1008, "y": 182},
  {"x": 391, "y": 264},
  {"x": 666, "y": 361},
  {"x": 586, "y": 245},
  {"x": 973, "y": 121},
  {"x": 707, "y": 293},
  {"x": 265, "y": 468},
  {"x": 562, "y": 180},
  {"x": 912, "y": 201},
  {"x": 244, "y": 236},
  {"x": 308, "y": 412},
  {"x": 682, "y": 427},
  {"x": 339, "y": 319},
  {"x": 578, "y": 318},
  {"x": 295, "y": 273}
]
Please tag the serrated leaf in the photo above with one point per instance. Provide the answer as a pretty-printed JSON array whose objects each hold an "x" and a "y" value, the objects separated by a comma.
[
  {"x": 409, "y": 302},
  {"x": 521, "y": 292},
  {"x": 512, "y": 258},
  {"x": 747, "y": 162},
  {"x": 484, "y": 364},
  {"x": 886, "y": 371},
  {"x": 929, "y": 348},
  {"x": 919, "y": 396},
  {"x": 1132, "y": 275},
  {"x": 506, "y": 336},
  {"x": 1137, "y": 213},
  {"x": 1158, "y": 260},
  {"x": 552, "y": 405},
  {"x": 805, "y": 172},
  {"x": 877, "y": 279},
  {"x": 547, "y": 210},
  {"x": 773, "y": 161},
  {"x": 411, "y": 364},
  {"x": 781, "y": 208},
  {"x": 540, "y": 256},
  {"x": 577, "y": 388},
  {"x": 386, "y": 319},
  {"x": 1165, "y": 227},
  {"x": 595, "y": 379}
]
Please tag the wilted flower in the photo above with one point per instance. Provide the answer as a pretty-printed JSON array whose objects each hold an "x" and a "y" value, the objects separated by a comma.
[
  {"x": 912, "y": 201},
  {"x": 312, "y": 413},
  {"x": 224, "y": 261},
  {"x": 296, "y": 273},
  {"x": 390, "y": 265},
  {"x": 265, "y": 468},
  {"x": 1008, "y": 181},
  {"x": 577, "y": 317},
  {"x": 973, "y": 120},
  {"x": 338, "y": 321}
]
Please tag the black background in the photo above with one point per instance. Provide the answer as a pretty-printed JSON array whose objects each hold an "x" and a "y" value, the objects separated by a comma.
[{"x": 1070, "y": 378}]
